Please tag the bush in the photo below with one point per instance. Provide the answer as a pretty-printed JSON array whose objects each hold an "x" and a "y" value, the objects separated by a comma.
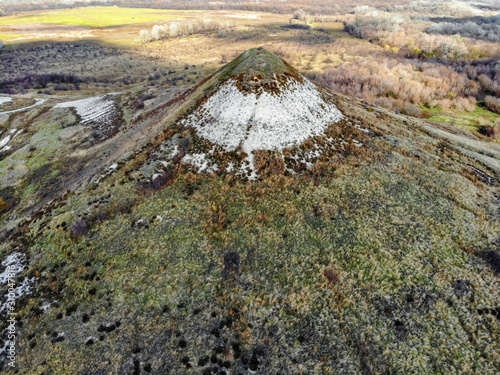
[
  {"x": 412, "y": 110},
  {"x": 231, "y": 265},
  {"x": 181, "y": 29},
  {"x": 492, "y": 103},
  {"x": 314, "y": 37},
  {"x": 485, "y": 31},
  {"x": 80, "y": 228},
  {"x": 492, "y": 132},
  {"x": 39, "y": 81},
  {"x": 296, "y": 26},
  {"x": 3, "y": 204}
]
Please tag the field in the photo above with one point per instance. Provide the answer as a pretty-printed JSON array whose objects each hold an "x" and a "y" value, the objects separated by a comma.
[
  {"x": 10, "y": 36},
  {"x": 95, "y": 16},
  {"x": 466, "y": 120}
]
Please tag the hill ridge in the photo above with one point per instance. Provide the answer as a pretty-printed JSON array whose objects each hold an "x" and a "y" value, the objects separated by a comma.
[{"x": 260, "y": 102}]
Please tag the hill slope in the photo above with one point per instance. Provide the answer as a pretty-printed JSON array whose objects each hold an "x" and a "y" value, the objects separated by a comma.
[{"x": 370, "y": 245}]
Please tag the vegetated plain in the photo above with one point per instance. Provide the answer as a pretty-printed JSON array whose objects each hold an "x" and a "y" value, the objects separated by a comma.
[
  {"x": 382, "y": 260},
  {"x": 95, "y": 16}
]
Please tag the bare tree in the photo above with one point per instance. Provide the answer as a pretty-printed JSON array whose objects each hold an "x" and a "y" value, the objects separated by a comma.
[{"x": 144, "y": 36}]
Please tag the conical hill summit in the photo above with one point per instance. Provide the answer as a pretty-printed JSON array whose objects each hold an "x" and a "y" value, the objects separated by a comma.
[{"x": 258, "y": 103}]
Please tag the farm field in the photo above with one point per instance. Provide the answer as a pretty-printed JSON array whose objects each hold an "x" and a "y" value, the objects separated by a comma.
[{"x": 94, "y": 16}]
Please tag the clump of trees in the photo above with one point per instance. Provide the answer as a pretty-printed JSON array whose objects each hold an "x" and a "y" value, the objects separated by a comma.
[
  {"x": 403, "y": 86},
  {"x": 437, "y": 71},
  {"x": 478, "y": 30},
  {"x": 491, "y": 131},
  {"x": 492, "y": 103},
  {"x": 40, "y": 81},
  {"x": 181, "y": 29},
  {"x": 387, "y": 30},
  {"x": 437, "y": 8}
]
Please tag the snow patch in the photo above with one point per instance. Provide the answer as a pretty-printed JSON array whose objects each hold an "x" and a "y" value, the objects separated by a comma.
[
  {"x": 11, "y": 134},
  {"x": 249, "y": 167},
  {"x": 364, "y": 130},
  {"x": 357, "y": 143},
  {"x": 200, "y": 161},
  {"x": 265, "y": 121},
  {"x": 6, "y": 140},
  {"x": 97, "y": 108},
  {"x": 260, "y": 120},
  {"x": 5, "y": 99},
  {"x": 18, "y": 260},
  {"x": 107, "y": 172}
]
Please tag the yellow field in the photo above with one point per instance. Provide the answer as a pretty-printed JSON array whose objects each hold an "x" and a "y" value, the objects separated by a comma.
[
  {"x": 9, "y": 36},
  {"x": 95, "y": 16}
]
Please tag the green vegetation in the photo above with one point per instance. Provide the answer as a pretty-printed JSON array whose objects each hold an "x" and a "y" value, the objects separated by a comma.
[
  {"x": 94, "y": 16},
  {"x": 382, "y": 292},
  {"x": 466, "y": 120},
  {"x": 256, "y": 61},
  {"x": 10, "y": 36},
  {"x": 371, "y": 260}
]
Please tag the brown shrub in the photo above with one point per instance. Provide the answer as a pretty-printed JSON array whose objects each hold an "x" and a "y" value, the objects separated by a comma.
[
  {"x": 216, "y": 218},
  {"x": 80, "y": 228},
  {"x": 3, "y": 204},
  {"x": 490, "y": 131},
  {"x": 331, "y": 275},
  {"x": 268, "y": 163}
]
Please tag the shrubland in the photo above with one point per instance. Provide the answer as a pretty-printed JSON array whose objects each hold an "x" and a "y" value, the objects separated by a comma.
[
  {"x": 82, "y": 65},
  {"x": 400, "y": 63},
  {"x": 420, "y": 70}
]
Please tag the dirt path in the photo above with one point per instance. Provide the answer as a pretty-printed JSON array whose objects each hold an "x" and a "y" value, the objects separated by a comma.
[
  {"x": 37, "y": 102},
  {"x": 487, "y": 153}
]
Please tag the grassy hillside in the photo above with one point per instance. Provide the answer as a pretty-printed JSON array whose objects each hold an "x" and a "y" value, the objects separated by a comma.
[{"x": 377, "y": 262}]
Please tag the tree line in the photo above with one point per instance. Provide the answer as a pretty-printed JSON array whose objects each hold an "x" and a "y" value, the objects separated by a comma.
[
  {"x": 181, "y": 29},
  {"x": 485, "y": 29}
]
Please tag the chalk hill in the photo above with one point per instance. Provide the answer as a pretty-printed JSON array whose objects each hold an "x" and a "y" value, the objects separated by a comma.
[{"x": 254, "y": 224}]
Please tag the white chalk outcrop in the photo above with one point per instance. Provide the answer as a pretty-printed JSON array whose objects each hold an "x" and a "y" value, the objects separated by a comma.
[
  {"x": 256, "y": 105},
  {"x": 233, "y": 118},
  {"x": 97, "y": 108}
]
